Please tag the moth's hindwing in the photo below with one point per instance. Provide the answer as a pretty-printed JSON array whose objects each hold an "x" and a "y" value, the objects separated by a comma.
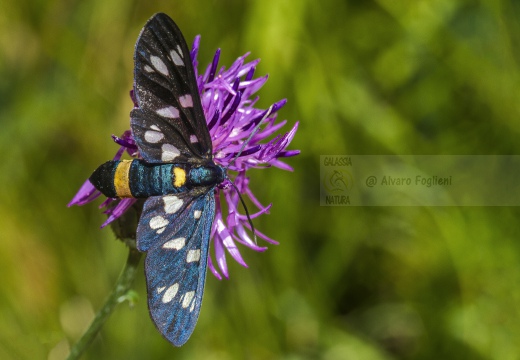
[
  {"x": 175, "y": 231},
  {"x": 169, "y": 124}
]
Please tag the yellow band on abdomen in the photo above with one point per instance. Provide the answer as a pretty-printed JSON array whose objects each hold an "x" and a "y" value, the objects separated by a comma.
[
  {"x": 121, "y": 179},
  {"x": 180, "y": 176}
]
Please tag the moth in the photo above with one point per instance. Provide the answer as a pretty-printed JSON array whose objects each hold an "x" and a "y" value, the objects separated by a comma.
[{"x": 176, "y": 175}]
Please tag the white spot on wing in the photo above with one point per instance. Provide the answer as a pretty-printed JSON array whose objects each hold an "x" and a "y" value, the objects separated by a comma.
[
  {"x": 159, "y": 65},
  {"x": 169, "y": 152},
  {"x": 161, "y": 230},
  {"x": 155, "y": 127},
  {"x": 160, "y": 289},
  {"x": 176, "y": 58},
  {"x": 170, "y": 293},
  {"x": 168, "y": 112},
  {"x": 186, "y": 101},
  {"x": 172, "y": 204},
  {"x": 179, "y": 50},
  {"x": 186, "y": 300},
  {"x": 148, "y": 69},
  {"x": 192, "y": 306},
  {"x": 175, "y": 244},
  {"x": 193, "y": 139},
  {"x": 193, "y": 255},
  {"x": 158, "y": 223},
  {"x": 153, "y": 137},
  {"x": 197, "y": 213}
]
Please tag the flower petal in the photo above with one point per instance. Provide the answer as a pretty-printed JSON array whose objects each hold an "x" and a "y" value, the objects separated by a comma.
[
  {"x": 281, "y": 165},
  {"x": 86, "y": 193},
  {"x": 233, "y": 250},
  {"x": 118, "y": 210},
  {"x": 220, "y": 254},
  {"x": 212, "y": 268},
  {"x": 244, "y": 238}
]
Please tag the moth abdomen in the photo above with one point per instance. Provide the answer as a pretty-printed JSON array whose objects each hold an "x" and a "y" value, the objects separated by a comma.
[
  {"x": 103, "y": 178},
  {"x": 138, "y": 179}
]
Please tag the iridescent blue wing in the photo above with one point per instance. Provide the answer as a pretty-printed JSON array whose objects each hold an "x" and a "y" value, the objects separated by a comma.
[
  {"x": 175, "y": 231},
  {"x": 169, "y": 123}
]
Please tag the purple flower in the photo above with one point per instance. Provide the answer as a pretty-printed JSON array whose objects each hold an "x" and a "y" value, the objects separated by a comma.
[{"x": 228, "y": 103}]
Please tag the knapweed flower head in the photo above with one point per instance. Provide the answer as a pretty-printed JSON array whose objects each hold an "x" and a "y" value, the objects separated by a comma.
[{"x": 229, "y": 108}]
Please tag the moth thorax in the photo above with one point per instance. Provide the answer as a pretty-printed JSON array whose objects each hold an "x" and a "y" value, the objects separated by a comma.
[{"x": 206, "y": 175}]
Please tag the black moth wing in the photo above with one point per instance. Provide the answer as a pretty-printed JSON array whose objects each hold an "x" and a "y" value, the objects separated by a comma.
[{"x": 169, "y": 123}]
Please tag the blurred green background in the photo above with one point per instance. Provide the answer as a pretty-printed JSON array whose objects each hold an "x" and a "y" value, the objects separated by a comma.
[{"x": 362, "y": 77}]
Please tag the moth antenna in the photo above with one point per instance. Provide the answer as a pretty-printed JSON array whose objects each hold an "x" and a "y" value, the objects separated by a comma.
[
  {"x": 255, "y": 130},
  {"x": 247, "y": 212}
]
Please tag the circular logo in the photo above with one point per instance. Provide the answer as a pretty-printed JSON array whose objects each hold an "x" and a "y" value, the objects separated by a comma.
[{"x": 337, "y": 181}]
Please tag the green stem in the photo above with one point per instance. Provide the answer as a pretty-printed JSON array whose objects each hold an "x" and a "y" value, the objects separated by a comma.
[{"x": 116, "y": 297}]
